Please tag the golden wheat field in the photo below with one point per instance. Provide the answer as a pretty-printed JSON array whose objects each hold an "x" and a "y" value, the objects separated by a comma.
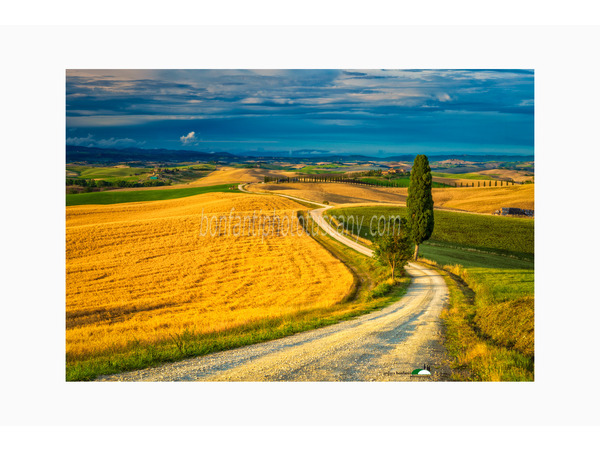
[
  {"x": 517, "y": 175},
  {"x": 335, "y": 193},
  {"x": 480, "y": 200},
  {"x": 228, "y": 175},
  {"x": 458, "y": 181},
  {"x": 485, "y": 200},
  {"x": 142, "y": 271}
]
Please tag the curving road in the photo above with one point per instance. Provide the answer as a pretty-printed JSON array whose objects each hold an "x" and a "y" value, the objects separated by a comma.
[{"x": 385, "y": 345}]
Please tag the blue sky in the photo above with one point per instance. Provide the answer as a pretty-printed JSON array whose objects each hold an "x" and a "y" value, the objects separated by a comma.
[{"x": 370, "y": 112}]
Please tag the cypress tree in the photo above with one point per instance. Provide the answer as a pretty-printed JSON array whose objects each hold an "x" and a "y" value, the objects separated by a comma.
[{"x": 420, "y": 202}]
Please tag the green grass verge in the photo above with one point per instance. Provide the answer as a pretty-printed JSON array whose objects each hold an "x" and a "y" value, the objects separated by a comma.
[
  {"x": 475, "y": 355},
  {"x": 110, "y": 197}
]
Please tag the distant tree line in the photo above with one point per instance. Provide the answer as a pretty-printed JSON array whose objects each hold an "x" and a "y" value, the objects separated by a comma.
[
  {"x": 485, "y": 183},
  {"x": 348, "y": 177},
  {"x": 91, "y": 185},
  {"x": 356, "y": 178},
  {"x": 359, "y": 178},
  {"x": 324, "y": 178}
]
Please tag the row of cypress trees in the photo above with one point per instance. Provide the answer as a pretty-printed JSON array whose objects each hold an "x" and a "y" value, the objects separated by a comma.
[
  {"x": 318, "y": 179},
  {"x": 386, "y": 183}
]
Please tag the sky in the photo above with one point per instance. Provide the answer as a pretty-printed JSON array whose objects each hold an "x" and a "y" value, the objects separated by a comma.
[{"x": 287, "y": 112}]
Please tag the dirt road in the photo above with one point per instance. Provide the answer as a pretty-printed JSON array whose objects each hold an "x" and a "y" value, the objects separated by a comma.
[{"x": 385, "y": 345}]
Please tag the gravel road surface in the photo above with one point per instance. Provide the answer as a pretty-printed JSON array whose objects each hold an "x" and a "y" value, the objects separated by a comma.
[{"x": 385, "y": 345}]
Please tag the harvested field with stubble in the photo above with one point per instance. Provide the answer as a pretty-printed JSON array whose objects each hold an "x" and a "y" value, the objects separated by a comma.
[
  {"x": 139, "y": 275},
  {"x": 519, "y": 176},
  {"x": 481, "y": 200},
  {"x": 334, "y": 193},
  {"x": 228, "y": 175},
  {"x": 485, "y": 200}
]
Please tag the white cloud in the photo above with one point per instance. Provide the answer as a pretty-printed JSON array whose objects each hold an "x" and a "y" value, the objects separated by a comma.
[
  {"x": 251, "y": 100},
  {"x": 188, "y": 138}
]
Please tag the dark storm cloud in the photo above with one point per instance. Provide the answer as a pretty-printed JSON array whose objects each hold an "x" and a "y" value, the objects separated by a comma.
[{"x": 304, "y": 107}]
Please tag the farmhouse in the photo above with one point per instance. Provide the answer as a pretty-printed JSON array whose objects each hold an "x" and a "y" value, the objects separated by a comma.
[
  {"x": 516, "y": 212},
  {"x": 395, "y": 171}
]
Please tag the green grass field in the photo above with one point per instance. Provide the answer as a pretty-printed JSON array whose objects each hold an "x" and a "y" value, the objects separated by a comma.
[
  {"x": 488, "y": 262},
  {"x": 320, "y": 169},
  {"x": 508, "y": 235},
  {"x": 262, "y": 166},
  {"x": 399, "y": 182},
  {"x": 110, "y": 197},
  {"x": 464, "y": 176},
  {"x": 305, "y": 171},
  {"x": 175, "y": 174},
  {"x": 195, "y": 167},
  {"x": 501, "y": 278},
  {"x": 107, "y": 173}
]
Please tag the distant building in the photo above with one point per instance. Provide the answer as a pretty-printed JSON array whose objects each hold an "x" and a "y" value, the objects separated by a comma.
[
  {"x": 396, "y": 171},
  {"x": 516, "y": 212}
]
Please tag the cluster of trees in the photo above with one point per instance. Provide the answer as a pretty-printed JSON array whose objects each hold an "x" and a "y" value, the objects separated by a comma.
[
  {"x": 90, "y": 185},
  {"x": 394, "y": 249}
]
